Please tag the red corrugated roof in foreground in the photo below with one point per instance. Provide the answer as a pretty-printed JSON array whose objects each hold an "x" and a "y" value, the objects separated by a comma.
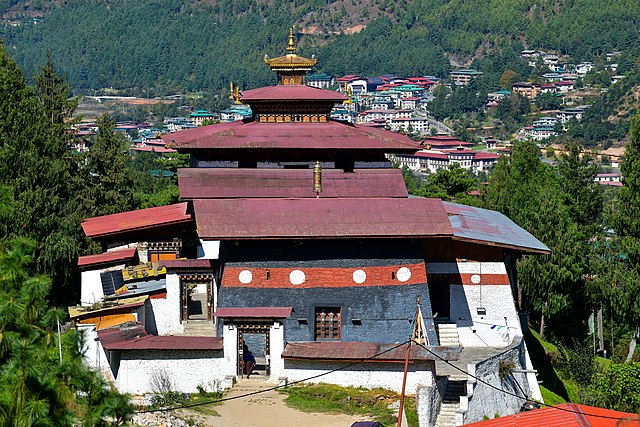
[
  {"x": 286, "y": 93},
  {"x": 134, "y": 337},
  {"x": 135, "y": 220},
  {"x": 223, "y": 219},
  {"x": 107, "y": 257},
  {"x": 376, "y": 352},
  {"x": 257, "y": 312},
  {"x": 332, "y": 135},
  {"x": 565, "y": 415},
  {"x": 213, "y": 183}
]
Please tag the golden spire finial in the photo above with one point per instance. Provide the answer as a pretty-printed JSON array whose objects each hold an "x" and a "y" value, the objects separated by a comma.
[{"x": 292, "y": 43}]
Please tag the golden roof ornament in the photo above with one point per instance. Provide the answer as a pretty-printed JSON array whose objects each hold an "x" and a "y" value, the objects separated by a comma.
[
  {"x": 292, "y": 43},
  {"x": 291, "y": 68}
]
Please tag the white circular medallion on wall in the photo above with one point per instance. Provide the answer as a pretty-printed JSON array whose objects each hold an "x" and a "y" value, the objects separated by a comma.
[
  {"x": 475, "y": 279},
  {"x": 359, "y": 276},
  {"x": 403, "y": 274},
  {"x": 245, "y": 277},
  {"x": 296, "y": 277}
]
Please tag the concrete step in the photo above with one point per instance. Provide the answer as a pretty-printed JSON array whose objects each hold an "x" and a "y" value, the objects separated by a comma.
[{"x": 199, "y": 328}]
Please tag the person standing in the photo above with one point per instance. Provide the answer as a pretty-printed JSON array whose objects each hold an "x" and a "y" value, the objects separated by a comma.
[{"x": 249, "y": 361}]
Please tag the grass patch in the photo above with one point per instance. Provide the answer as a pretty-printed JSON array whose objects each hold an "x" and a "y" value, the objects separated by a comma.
[
  {"x": 205, "y": 409},
  {"x": 550, "y": 398},
  {"x": 328, "y": 398},
  {"x": 543, "y": 356}
]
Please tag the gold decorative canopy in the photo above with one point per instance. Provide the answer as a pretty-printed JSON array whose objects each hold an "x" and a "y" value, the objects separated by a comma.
[{"x": 291, "y": 68}]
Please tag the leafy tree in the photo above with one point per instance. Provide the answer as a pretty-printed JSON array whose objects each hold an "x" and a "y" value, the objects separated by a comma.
[
  {"x": 583, "y": 196},
  {"x": 548, "y": 101},
  {"x": 112, "y": 186},
  {"x": 528, "y": 192},
  {"x": 508, "y": 78},
  {"x": 626, "y": 222},
  {"x": 618, "y": 388}
]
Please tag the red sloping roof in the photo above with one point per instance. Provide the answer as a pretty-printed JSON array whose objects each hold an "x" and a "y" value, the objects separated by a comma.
[
  {"x": 432, "y": 155},
  {"x": 222, "y": 219},
  {"x": 564, "y": 415},
  {"x": 286, "y": 93},
  {"x": 338, "y": 350},
  {"x": 483, "y": 155},
  {"x": 136, "y": 338},
  {"x": 135, "y": 220},
  {"x": 254, "y": 135},
  {"x": 258, "y": 312},
  {"x": 154, "y": 148},
  {"x": 212, "y": 183},
  {"x": 107, "y": 257}
]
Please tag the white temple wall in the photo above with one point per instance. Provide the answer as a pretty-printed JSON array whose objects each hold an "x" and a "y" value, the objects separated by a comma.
[
  {"x": 90, "y": 287},
  {"x": 165, "y": 312}
]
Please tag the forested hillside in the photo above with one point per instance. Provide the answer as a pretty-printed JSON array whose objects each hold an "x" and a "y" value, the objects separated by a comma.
[{"x": 170, "y": 45}]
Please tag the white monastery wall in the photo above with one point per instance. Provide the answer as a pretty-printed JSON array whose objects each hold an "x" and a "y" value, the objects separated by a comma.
[
  {"x": 428, "y": 401},
  {"x": 209, "y": 249},
  {"x": 165, "y": 312},
  {"x": 500, "y": 323},
  {"x": 91, "y": 287},
  {"x": 276, "y": 342},
  {"x": 230, "y": 344},
  {"x": 367, "y": 375},
  {"x": 186, "y": 368},
  {"x": 92, "y": 351}
]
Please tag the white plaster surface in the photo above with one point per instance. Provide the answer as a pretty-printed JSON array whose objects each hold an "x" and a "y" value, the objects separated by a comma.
[
  {"x": 92, "y": 351},
  {"x": 90, "y": 287},
  {"x": 209, "y": 249},
  {"x": 276, "y": 342},
  {"x": 187, "y": 370},
  {"x": 494, "y": 329},
  {"x": 166, "y": 311},
  {"x": 367, "y": 375},
  {"x": 230, "y": 343}
]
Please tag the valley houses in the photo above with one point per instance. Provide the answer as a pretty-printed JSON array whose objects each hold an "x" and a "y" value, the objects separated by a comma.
[{"x": 295, "y": 239}]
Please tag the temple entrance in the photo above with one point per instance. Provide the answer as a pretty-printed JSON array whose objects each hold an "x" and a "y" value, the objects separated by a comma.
[
  {"x": 254, "y": 337},
  {"x": 440, "y": 295},
  {"x": 197, "y": 297}
]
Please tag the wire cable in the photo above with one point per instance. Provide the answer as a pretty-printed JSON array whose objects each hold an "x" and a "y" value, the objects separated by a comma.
[
  {"x": 253, "y": 393},
  {"x": 515, "y": 395}
]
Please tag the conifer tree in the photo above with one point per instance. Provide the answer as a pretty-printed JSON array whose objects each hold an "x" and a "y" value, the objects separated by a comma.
[{"x": 112, "y": 186}]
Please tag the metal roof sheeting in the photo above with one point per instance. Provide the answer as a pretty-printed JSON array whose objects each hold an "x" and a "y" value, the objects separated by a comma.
[
  {"x": 135, "y": 220},
  {"x": 284, "y": 93},
  {"x": 134, "y": 337},
  {"x": 230, "y": 219},
  {"x": 254, "y": 312},
  {"x": 339, "y": 350},
  {"x": 565, "y": 415},
  {"x": 107, "y": 257},
  {"x": 486, "y": 226},
  {"x": 332, "y": 135},
  {"x": 213, "y": 183}
]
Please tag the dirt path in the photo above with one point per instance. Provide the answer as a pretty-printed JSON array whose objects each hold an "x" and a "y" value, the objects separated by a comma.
[{"x": 268, "y": 410}]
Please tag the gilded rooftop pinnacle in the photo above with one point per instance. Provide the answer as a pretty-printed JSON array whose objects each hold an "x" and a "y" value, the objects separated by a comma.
[
  {"x": 292, "y": 43},
  {"x": 291, "y": 68}
]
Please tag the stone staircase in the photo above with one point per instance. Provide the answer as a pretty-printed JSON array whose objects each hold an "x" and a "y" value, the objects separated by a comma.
[
  {"x": 450, "y": 403},
  {"x": 199, "y": 328},
  {"x": 448, "y": 334}
]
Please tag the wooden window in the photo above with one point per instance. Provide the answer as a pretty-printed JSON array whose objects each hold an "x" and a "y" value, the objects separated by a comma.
[{"x": 328, "y": 325}]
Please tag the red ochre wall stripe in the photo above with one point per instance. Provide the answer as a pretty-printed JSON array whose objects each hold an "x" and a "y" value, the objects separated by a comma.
[
  {"x": 485, "y": 279},
  {"x": 324, "y": 277}
]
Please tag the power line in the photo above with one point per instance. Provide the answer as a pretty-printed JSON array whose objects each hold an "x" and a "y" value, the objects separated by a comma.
[
  {"x": 515, "y": 395},
  {"x": 253, "y": 393}
]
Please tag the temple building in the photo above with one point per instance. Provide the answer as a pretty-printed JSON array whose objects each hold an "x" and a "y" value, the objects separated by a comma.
[{"x": 296, "y": 239}]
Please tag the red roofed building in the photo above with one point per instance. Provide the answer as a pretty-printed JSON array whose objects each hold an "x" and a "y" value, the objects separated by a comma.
[{"x": 297, "y": 240}]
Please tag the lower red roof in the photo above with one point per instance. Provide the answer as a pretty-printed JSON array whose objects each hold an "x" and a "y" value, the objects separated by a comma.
[
  {"x": 134, "y": 337},
  {"x": 230, "y": 219},
  {"x": 376, "y": 352},
  {"x": 107, "y": 257},
  {"x": 135, "y": 220},
  {"x": 257, "y": 312},
  {"x": 565, "y": 415},
  {"x": 213, "y": 183}
]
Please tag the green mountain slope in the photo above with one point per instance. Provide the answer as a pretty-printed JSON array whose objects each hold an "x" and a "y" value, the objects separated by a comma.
[{"x": 179, "y": 44}]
